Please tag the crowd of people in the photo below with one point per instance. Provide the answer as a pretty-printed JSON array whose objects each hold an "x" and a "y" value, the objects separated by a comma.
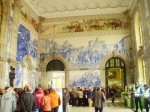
[
  {"x": 27, "y": 100},
  {"x": 83, "y": 97}
]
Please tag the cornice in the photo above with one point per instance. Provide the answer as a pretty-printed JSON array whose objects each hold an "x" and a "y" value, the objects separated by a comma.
[
  {"x": 147, "y": 54},
  {"x": 13, "y": 62},
  {"x": 18, "y": 4},
  {"x": 132, "y": 6},
  {"x": 29, "y": 10},
  {"x": 88, "y": 33},
  {"x": 3, "y": 59},
  {"x": 102, "y": 16}
]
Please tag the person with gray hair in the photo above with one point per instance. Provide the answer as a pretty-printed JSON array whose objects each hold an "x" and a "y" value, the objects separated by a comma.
[
  {"x": 28, "y": 101},
  {"x": 8, "y": 101}
]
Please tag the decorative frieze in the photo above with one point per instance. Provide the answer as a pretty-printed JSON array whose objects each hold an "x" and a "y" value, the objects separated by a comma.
[{"x": 93, "y": 33}]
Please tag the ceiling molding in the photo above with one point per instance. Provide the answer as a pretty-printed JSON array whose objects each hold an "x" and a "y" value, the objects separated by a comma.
[
  {"x": 102, "y": 16},
  {"x": 30, "y": 11},
  {"x": 81, "y": 34},
  {"x": 61, "y": 8}
]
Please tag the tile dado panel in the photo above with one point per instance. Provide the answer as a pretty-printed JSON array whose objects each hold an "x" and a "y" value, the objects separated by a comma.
[{"x": 84, "y": 78}]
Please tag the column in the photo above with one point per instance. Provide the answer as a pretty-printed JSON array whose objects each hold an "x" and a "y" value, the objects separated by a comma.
[
  {"x": 102, "y": 78},
  {"x": 14, "y": 37},
  {"x": 3, "y": 41},
  {"x": 43, "y": 80},
  {"x": 67, "y": 78}
]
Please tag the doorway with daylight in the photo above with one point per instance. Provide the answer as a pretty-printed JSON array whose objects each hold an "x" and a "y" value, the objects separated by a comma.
[
  {"x": 115, "y": 76},
  {"x": 55, "y": 74}
]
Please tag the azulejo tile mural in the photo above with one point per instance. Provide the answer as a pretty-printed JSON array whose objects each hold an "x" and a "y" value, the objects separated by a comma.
[
  {"x": 9, "y": 36},
  {"x": 33, "y": 79},
  {"x": 25, "y": 44},
  {"x": 84, "y": 52},
  {"x": 22, "y": 43},
  {"x": 18, "y": 76},
  {"x": 84, "y": 78}
]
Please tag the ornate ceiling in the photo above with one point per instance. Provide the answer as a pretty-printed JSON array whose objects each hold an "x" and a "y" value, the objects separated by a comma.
[{"x": 65, "y": 8}]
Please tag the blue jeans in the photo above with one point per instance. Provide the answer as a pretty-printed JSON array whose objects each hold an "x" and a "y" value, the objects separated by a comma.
[
  {"x": 98, "y": 109},
  {"x": 38, "y": 108},
  {"x": 64, "y": 108}
]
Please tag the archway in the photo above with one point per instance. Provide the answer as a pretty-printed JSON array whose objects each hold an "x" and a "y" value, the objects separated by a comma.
[
  {"x": 44, "y": 72},
  {"x": 55, "y": 74},
  {"x": 115, "y": 75},
  {"x": 103, "y": 67}
]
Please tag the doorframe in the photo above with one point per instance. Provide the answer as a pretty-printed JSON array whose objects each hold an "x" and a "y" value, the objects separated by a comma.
[
  {"x": 103, "y": 69},
  {"x": 44, "y": 64},
  {"x": 115, "y": 67}
]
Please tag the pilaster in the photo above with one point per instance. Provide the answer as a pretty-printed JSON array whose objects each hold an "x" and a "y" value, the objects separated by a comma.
[
  {"x": 16, "y": 14},
  {"x": 67, "y": 78},
  {"x": 3, "y": 41}
]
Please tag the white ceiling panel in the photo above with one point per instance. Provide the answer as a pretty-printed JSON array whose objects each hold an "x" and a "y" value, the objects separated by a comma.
[{"x": 66, "y": 8}]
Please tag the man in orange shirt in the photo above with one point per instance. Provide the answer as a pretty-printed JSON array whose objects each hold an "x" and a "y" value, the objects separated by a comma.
[{"x": 55, "y": 100}]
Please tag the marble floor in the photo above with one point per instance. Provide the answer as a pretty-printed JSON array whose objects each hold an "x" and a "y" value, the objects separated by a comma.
[{"x": 116, "y": 107}]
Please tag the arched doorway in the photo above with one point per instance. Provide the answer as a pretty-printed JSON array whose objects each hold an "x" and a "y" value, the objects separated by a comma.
[
  {"x": 45, "y": 68},
  {"x": 55, "y": 74},
  {"x": 115, "y": 75}
]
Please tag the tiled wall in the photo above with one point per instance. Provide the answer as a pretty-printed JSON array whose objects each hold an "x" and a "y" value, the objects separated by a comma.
[
  {"x": 84, "y": 42},
  {"x": 26, "y": 45},
  {"x": 84, "y": 78},
  {"x": 85, "y": 52}
]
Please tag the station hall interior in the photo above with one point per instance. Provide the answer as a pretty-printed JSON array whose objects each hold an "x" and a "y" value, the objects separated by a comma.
[{"x": 75, "y": 43}]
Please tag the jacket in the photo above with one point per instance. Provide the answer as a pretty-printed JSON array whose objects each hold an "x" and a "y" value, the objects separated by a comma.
[
  {"x": 98, "y": 99},
  {"x": 55, "y": 99},
  {"x": 45, "y": 103},
  {"x": 8, "y": 103},
  {"x": 89, "y": 94},
  {"x": 74, "y": 93},
  {"x": 80, "y": 94},
  {"x": 66, "y": 98},
  {"x": 39, "y": 94},
  {"x": 28, "y": 102},
  {"x": 137, "y": 91},
  {"x": 146, "y": 93}
]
